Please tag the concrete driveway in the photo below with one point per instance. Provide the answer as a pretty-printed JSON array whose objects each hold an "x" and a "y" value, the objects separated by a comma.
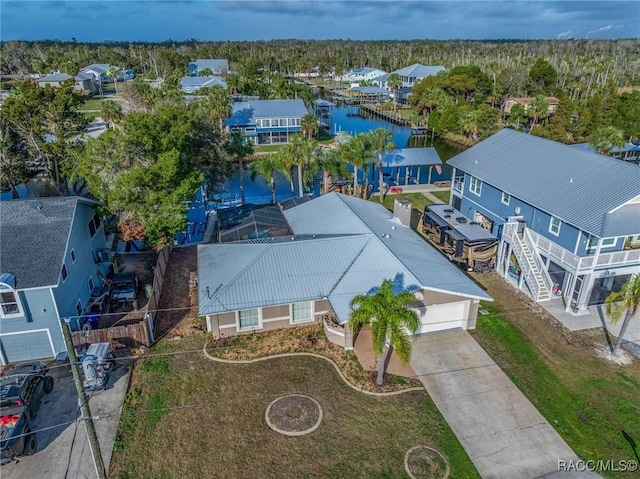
[
  {"x": 503, "y": 433},
  {"x": 63, "y": 450}
]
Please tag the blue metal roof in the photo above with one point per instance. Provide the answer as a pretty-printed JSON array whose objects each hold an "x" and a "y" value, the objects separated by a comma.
[
  {"x": 578, "y": 187},
  {"x": 202, "y": 82},
  {"x": 245, "y": 113},
  {"x": 411, "y": 157},
  {"x": 419, "y": 71}
]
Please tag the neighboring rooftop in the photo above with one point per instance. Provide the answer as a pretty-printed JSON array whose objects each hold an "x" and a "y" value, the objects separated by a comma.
[
  {"x": 245, "y": 113},
  {"x": 217, "y": 65},
  {"x": 578, "y": 187},
  {"x": 99, "y": 67},
  {"x": 201, "y": 82},
  {"x": 54, "y": 77},
  {"x": 411, "y": 157},
  {"x": 445, "y": 215},
  {"x": 251, "y": 221},
  {"x": 343, "y": 246},
  {"x": 33, "y": 238},
  {"x": 419, "y": 71}
]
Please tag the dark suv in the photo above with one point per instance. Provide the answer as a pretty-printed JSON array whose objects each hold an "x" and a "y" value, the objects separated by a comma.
[
  {"x": 25, "y": 389},
  {"x": 124, "y": 287}
]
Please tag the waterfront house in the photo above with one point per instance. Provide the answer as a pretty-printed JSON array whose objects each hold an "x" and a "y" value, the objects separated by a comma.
[
  {"x": 630, "y": 151},
  {"x": 414, "y": 73},
  {"x": 357, "y": 75},
  {"x": 218, "y": 66},
  {"x": 341, "y": 247},
  {"x": 568, "y": 220},
  {"x": 52, "y": 257},
  {"x": 267, "y": 121},
  {"x": 193, "y": 84},
  {"x": 509, "y": 103}
]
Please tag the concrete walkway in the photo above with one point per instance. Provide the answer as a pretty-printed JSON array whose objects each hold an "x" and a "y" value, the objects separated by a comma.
[{"x": 503, "y": 433}]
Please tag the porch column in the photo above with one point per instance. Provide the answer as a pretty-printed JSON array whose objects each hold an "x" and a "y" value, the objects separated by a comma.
[
  {"x": 418, "y": 176},
  {"x": 569, "y": 291},
  {"x": 429, "y": 178},
  {"x": 585, "y": 288}
]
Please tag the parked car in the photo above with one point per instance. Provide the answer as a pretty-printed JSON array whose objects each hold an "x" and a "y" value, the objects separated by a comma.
[
  {"x": 22, "y": 390},
  {"x": 124, "y": 288}
]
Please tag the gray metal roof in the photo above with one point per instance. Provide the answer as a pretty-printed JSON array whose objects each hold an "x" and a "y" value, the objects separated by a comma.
[
  {"x": 578, "y": 187},
  {"x": 343, "y": 246},
  {"x": 202, "y": 81},
  {"x": 98, "y": 67},
  {"x": 616, "y": 149},
  {"x": 33, "y": 238},
  {"x": 419, "y": 71},
  {"x": 213, "y": 63},
  {"x": 411, "y": 157},
  {"x": 451, "y": 216},
  {"x": 370, "y": 90},
  {"x": 84, "y": 76},
  {"x": 625, "y": 221},
  {"x": 245, "y": 113},
  {"x": 54, "y": 77}
]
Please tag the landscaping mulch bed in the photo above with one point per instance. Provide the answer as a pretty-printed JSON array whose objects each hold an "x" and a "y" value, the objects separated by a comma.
[
  {"x": 307, "y": 339},
  {"x": 294, "y": 413}
]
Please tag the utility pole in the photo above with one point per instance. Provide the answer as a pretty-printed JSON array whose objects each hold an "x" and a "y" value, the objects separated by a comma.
[{"x": 84, "y": 404}]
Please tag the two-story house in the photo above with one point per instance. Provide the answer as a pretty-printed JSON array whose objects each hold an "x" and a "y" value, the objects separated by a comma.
[
  {"x": 267, "y": 121},
  {"x": 357, "y": 75},
  {"x": 218, "y": 66},
  {"x": 193, "y": 84},
  {"x": 552, "y": 104},
  {"x": 52, "y": 254},
  {"x": 99, "y": 71},
  {"x": 414, "y": 73},
  {"x": 568, "y": 220}
]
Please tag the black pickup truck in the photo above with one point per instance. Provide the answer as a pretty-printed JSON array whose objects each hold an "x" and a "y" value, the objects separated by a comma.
[{"x": 21, "y": 392}]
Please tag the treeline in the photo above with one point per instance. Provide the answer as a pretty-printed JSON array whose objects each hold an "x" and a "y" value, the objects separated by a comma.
[{"x": 582, "y": 65}]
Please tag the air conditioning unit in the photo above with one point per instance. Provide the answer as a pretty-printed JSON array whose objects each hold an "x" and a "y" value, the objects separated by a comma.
[{"x": 104, "y": 256}]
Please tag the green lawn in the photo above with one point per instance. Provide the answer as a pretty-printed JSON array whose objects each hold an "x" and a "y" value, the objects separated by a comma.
[
  {"x": 442, "y": 195},
  {"x": 187, "y": 416},
  {"x": 593, "y": 404},
  {"x": 92, "y": 104}
]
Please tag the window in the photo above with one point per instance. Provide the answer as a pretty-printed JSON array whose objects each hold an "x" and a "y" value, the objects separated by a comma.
[
  {"x": 248, "y": 319},
  {"x": 302, "y": 312},
  {"x": 554, "y": 226},
  {"x": 593, "y": 242},
  {"x": 73, "y": 256},
  {"x": 90, "y": 285},
  {"x": 476, "y": 186},
  {"x": 64, "y": 273},
  {"x": 79, "y": 308},
  {"x": 506, "y": 198},
  {"x": 94, "y": 224},
  {"x": 9, "y": 302}
]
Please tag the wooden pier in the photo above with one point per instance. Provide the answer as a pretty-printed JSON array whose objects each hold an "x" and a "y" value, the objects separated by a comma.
[{"x": 384, "y": 115}]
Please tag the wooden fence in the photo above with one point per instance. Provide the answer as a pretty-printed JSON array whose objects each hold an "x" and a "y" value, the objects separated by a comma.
[
  {"x": 158, "y": 280},
  {"x": 129, "y": 336}
]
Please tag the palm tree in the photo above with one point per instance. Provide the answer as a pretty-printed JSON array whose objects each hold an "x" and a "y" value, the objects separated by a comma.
[
  {"x": 354, "y": 152},
  {"x": 538, "y": 108},
  {"x": 218, "y": 102},
  {"x": 605, "y": 139},
  {"x": 333, "y": 166},
  {"x": 628, "y": 298},
  {"x": 469, "y": 122},
  {"x": 300, "y": 151},
  {"x": 110, "y": 111},
  {"x": 395, "y": 83},
  {"x": 381, "y": 142},
  {"x": 391, "y": 322},
  {"x": 239, "y": 148},
  {"x": 266, "y": 167},
  {"x": 309, "y": 125}
]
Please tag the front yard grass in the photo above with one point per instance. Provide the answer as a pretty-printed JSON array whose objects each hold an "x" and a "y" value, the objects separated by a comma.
[
  {"x": 188, "y": 416},
  {"x": 592, "y": 404},
  {"x": 442, "y": 195},
  {"x": 418, "y": 202}
]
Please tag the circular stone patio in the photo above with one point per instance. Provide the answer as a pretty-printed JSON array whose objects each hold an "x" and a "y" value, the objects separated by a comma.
[
  {"x": 423, "y": 462},
  {"x": 294, "y": 415}
]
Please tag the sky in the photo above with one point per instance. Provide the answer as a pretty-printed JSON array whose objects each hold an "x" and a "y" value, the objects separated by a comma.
[{"x": 229, "y": 20}]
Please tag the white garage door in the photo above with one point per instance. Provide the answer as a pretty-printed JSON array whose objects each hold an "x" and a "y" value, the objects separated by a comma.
[
  {"x": 26, "y": 345},
  {"x": 441, "y": 317}
]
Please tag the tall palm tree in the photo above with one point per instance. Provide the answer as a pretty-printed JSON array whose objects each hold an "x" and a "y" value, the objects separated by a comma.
[
  {"x": 309, "y": 125},
  {"x": 395, "y": 83},
  {"x": 238, "y": 147},
  {"x": 266, "y": 167},
  {"x": 218, "y": 102},
  {"x": 391, "y": 322},
  {"x": 538, "y": 108},
  {"x": 469, "y": 122},
  {"x": 605, "y": 139},
  {"x": 628, "y": 298},
  {"x": 301, "y": 151},
  {"x": 381, "y": 142},
  {"x": 354, "y": 152},
  {"x": 110, "y": 111}
]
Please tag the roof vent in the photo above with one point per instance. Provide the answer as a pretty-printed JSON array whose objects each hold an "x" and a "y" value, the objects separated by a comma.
[
  {"x": 448, "y": 210},
  {"x": 447, "y": 216},
  {"x": 461, "y": 219},
  {"x": 386, "y": 236}
]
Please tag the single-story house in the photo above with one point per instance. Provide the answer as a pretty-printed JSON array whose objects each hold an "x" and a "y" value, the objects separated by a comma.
[
  {"x": 82, "y": 81},
  {"x": 193, "y": 84},
  {"x": 526, "y": 103},
  {"x": 99, "y": 71},
  {"x": 267, "y": 121},
  {"x": 218, "y": 66},
  {"x": 342, "y": 246},
  {"x": 53, "y": 256}
]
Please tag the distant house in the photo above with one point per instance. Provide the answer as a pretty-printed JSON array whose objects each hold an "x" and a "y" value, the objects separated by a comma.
[
  {"x": 83, "y": 82},
  {"x": 414, "y": 73},
  {"x": 52, "y": 257},
  {"x": 568, "y": 220},
  {"x": 99, "y": 71},
  {"x": 219, "y": 66},
  {"x": 342, "y": 246},
  {"x": 193, "y": 84},
  {"x": 356, "y": 75},
  {"x": 628, "y": 152},
  {"x": 526, "y": 103},
  {"x": 267, "y": 121}
]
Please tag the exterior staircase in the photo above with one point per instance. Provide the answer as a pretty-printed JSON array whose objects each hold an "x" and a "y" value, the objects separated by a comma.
[{"x": 533, "y": 270}]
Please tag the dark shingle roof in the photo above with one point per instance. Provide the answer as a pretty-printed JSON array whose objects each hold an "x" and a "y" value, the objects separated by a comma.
[
  {"x": 579, "y": 187},
  {"x": 33, "y": 238}
]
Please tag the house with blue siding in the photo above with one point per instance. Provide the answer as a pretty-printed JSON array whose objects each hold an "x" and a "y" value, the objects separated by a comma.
[
  {"x": 193, "y": 84},
  {"x": 52, "y": 256},
  {"x": 341, "y": 247},
  {"x": 568, "y": 220},
  {"x": 266, "y": 122}
]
